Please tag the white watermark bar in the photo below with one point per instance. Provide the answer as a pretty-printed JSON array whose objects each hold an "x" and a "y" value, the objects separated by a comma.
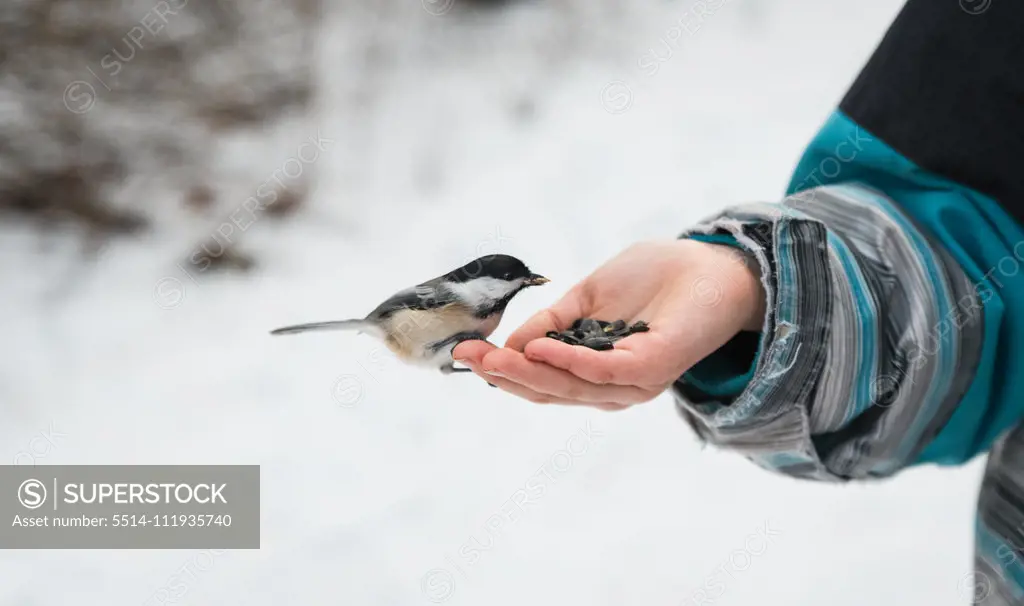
[{"x": 130, "y": 507}]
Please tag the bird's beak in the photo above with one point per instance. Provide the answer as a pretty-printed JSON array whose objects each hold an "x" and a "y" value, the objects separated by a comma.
[{"x": 536, "y": 280}]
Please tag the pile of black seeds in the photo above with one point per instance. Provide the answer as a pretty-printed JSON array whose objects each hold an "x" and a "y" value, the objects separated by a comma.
[{"x": 597, "y": 334}]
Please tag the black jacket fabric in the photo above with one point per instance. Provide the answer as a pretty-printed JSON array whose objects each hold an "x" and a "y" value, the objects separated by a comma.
[{"x": 945, "y": 88}]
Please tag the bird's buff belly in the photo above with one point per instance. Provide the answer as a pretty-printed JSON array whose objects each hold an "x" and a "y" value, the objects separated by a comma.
[{"x": 412, "y": 330}]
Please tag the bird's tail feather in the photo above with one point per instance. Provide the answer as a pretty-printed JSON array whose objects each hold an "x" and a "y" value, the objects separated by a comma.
[{"x": 360, "y": 325}]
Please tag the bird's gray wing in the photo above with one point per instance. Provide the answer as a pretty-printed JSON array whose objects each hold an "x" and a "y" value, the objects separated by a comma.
[{"x": 428, "y": 295}]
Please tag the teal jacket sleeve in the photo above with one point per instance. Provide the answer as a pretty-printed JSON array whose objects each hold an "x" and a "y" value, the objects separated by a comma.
[{"x": 887, "y": 340}]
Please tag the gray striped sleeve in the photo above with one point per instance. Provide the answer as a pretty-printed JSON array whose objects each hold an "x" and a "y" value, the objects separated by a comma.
[
  {"x": 871, "y": 337},
  {"x": 999, "y": 531}
]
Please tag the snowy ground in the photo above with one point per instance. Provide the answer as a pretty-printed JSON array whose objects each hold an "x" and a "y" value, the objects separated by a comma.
[{"x": 384, "y": 485}]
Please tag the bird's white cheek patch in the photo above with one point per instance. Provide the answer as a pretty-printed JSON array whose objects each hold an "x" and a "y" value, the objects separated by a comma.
[{"x": 479, "y": 292}]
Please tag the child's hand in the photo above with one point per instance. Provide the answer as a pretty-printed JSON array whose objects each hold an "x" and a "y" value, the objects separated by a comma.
[{"x": 695, "y": 296}]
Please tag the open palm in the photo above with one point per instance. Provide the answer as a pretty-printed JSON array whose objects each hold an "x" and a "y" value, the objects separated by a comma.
[{"x": 695, "y": 297}]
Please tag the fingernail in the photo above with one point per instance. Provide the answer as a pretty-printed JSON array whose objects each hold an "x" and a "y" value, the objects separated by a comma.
[{"x": 494, "y": 373}]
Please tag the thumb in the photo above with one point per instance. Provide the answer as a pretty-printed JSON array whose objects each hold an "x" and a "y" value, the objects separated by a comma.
[
  {"x": 558, "y": 317},
  {"x": 472, "y": 351}
]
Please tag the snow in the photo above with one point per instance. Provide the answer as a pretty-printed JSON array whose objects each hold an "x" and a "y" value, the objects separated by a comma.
[{"x": 391, "y": 485}]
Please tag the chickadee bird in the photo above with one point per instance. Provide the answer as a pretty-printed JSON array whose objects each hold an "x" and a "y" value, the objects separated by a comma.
[{"x": 423, "y": 324}]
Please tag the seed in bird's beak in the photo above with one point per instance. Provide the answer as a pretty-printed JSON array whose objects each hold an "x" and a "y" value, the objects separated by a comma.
[{"x": 536, "y": 280}]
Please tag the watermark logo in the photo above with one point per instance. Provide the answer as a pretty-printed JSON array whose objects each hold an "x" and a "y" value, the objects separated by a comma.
[
  {"x": 691, "y": 22},
  {"x": 885, "y": 390},
  {"x": 39, "y": 447},
  {"x": 975, "y": 7},
  {"x": 130, "y": 506},
  {"x": 437, "y": 7},
  {"x": 189, "y": 575},
  {"x": 169, "y": 293},
  {"x": 706, "y": 292},
  {"x": 79, "y": 97},
  {"x": 347, "y": 391},
  {"x": 616, "y": 97},
  {"x": 32, "y": 494},
  {"x": 974, "y": 586},
  {"x": 740, "y": 560},
  {"x": 438, "y": 585}
]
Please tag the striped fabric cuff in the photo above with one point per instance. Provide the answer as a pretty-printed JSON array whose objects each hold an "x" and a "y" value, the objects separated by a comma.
[{"x": 865, "y": 343}]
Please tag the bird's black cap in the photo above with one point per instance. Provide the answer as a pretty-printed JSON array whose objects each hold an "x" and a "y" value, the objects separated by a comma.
[{"x": 501, "y": 267}]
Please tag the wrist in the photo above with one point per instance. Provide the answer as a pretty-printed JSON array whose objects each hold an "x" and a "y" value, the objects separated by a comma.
[
  {"x": 757, "y": 301},
  {"x": 744, "y": 289}
]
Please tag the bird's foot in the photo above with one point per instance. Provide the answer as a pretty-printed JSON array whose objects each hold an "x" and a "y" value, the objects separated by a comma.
[
  {"x": 457, "y": 338},
  {"x": 451, "y": 342},
  {"x": 451, "y": 369},
  {"x": 448, "y": 369}
]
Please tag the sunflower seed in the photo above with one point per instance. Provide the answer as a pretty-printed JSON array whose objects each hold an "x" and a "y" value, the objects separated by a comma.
[
  {"x": 597, "y": 334},
  {"x": 639, "y": 326},
  {"x": 590, "y": 328},
  {"x": 599, "y": 343}
]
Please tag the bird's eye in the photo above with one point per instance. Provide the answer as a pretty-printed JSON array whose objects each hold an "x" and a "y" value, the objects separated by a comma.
[{"x": 507, "y": 276}]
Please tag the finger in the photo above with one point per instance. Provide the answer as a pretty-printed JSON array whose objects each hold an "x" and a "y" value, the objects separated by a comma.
[
  {"x": 558, "y": 317},
  {"x": 473, "y": 351},
  {"x": 540, "y": 398},
  {"x": 565, "y": 387},
  {"x": 605, "y": 406},
  {"x": 545, "y": 399},
  {"x": 512, "y": 387},
  {"x": 624, "y": 365}
]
